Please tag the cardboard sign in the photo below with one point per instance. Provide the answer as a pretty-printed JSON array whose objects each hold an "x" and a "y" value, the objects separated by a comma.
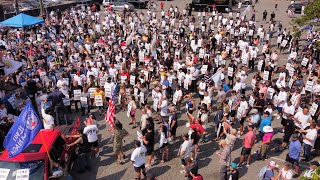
[
  {"x": 270, "y": 93},
  {"x": 313, "y": 109},
  {"x": 98, "y": 100},
  {"x": 260, "y": 63},
  {"x": 4, "y": 173},
  {"x": 76, "y": 94},
  {"x": 22, "y": 174},
  {"x": 253, "y": 83},
  {"x": 176, "y": 66},
  {"x": 103, "y": 80},
  {"x": 266, "y": 75},
  {"x": 66, "y": 80},
  {"x": 155, "y": 103},
  {"x": 230, "y": 104},
  {"x": 58, "y": 75},
  {"x": 251, "y": 101},
  {"x": 282, "y": 75},
  {"x": 175, "y": 99},
  {"x": 135, "y": 91},
  {"x": 290, "y": 83},
  {"x": 230, "y": 71},
  {"x": 107, "y": 91},
  {"x": 133, "y": 65},
  {"x": 66, "y": 100},
  {"x": 141, "y": 97},
  {"x": 91, "y": 91},
  {"x": 284, "y": 43},
  {"x": 204, "y": 69},
  {"x": 123, "y": 79},
  {"x": 186, "y": 84},
  {"x": 309, "y": 86},
  {"x": 132, "y": 80},
  {"x": 12, "y": 101},
  {"x": 42, "y": 75},
  {"x": 275, "y": 100},
  {"x": 84, "y": 102},
  {"x": 304, "y": 61}
]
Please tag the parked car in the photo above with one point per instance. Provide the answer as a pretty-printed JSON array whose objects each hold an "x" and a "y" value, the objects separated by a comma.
[
  {"x": 139, "y": 3},
  {"x": 118, "y": 6},
  {"x": 297, "y": 6},
  {"x": 35, "y": 157}
]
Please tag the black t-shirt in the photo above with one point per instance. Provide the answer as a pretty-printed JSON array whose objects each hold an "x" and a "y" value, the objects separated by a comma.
[
  {"x": 234, "y": 175},
  {"x": 195, "y": 137},
  {"x": 174, "y": 118},
  {"x": 260, "y": 102},
  {"x": 150, "y": 138}
]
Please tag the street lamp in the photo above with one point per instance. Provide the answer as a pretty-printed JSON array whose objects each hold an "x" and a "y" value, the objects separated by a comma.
[{"x": 41, "y": 8}]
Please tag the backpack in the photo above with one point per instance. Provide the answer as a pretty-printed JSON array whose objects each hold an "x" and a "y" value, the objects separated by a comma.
[{"x": 262, "y": 172}]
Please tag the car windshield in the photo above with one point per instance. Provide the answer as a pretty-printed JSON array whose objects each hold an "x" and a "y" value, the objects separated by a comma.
[{"x": 36, "y": 169}]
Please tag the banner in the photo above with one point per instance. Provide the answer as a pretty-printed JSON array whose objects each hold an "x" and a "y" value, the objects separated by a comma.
[
  {"x": 11, "y": 65},
  {"x": 23, "y": 131}
]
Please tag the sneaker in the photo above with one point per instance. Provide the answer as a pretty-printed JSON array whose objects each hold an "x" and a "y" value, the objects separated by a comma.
[
  {"x": 247, "y": 165},
  {"x": 147, "y": 166},
  {"x": 240, "y": 165},
  {"x": 182, "y": 171},
  {"x": 171, "y": 142}
]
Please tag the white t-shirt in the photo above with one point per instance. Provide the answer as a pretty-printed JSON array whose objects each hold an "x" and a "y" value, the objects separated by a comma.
[
  {"x": 91, "y": 132},
  {"x": 202, "y": 87},
  {"x": 164, "y": 108},
  {"x": 311, "y": 134},
  {"x": 287, "y": 109},
  {"x": 138, "y": 156},
  {"x": 178, "y": 93},
  {"x": 304, "y": 119},
  {"x": 286, "y": 174},
  {"x": 48, "y": 120},
  {"x": 206, "y": 100},
  {"x": 282, "y": 96},
  {"x": 243, "y": 106},
  {"x": 186, "y": 148}
]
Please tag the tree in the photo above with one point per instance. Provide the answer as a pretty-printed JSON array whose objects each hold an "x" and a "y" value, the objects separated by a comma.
[{"x": 311, "y": 15}]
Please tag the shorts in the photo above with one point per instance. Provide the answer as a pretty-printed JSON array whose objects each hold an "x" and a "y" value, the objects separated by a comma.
[
  {"x": 279, "y": 109},
  {"x": 190, "y": 111},
  {"x": 294, "y": 162},
  {"x": 201, "y": 96},
  {"x": 233, "y": 113},
  {"x": 149, "y": 151},
  {"x": 245, "y": 151},
  {"x": 242, "y": 120},
  {"x": 2, "y": 71},
  {"x": 94, "y": 144},
  {"x": 183, "y": 162},
  {"x": 173, "y": 131},
  {"x": 138, "y": 169}
]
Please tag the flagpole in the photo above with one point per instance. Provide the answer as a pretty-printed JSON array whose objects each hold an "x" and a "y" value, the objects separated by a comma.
[{"x": 45, "y": 146}]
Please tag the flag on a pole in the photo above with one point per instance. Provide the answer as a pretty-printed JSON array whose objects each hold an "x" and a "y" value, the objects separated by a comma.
[
  {"x": 23, "y": 131},
  {"x": 112, "y": 107}
]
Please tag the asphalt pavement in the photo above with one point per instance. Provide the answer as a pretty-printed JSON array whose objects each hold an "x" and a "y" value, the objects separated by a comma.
[{"x": 105, "y": 167}]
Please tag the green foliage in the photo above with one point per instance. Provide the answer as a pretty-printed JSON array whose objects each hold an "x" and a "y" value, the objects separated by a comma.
[
  {"x": 315, "y": 176},
  {"x": 311, "y": 14}
]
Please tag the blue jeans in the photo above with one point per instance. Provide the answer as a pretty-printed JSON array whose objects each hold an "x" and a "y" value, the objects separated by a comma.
[{"x": 307, "y": 151}]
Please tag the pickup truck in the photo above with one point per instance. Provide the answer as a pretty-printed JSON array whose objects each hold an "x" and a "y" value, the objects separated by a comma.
[{"x": 46, "y": 149}]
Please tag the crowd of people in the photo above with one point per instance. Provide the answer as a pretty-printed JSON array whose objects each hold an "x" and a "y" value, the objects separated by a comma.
[{"x": 167, "y": 64}]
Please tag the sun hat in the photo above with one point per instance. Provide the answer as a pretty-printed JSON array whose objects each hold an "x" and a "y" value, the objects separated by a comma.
[
  {"x": 273, "y": 164},
  {"x": 267, "y": 129}
]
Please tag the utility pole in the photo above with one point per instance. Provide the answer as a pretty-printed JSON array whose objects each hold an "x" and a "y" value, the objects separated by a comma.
[
  {"x": 16, "y": 6},
  {"x": 41, "y": 8},
  {"x": 230, "y": 5}
]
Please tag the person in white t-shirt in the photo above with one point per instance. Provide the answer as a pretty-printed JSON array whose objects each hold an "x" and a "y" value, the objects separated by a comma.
[
  {"x": 163, "y": 107},
  {"x": 282, "y": 99},
  {"x": 309, "y": 139},
  {"x": 303, "y": 118},
  {"x": 48, "y": 120},
  {"x": 287, "y": 112},
  {"x": 185, "y": 151},
  {"x": 285, "y": 172},
  {"x": 243, "y": 108},
  {"x": 138, "y": 159},
  {"x": 91, "y": 130},
  {"x": 202, "y": 89},
  {"x": 178, "y": 94}
]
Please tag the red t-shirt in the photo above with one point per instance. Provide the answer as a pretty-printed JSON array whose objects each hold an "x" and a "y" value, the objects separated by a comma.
[{"x": 199, "y": 177}]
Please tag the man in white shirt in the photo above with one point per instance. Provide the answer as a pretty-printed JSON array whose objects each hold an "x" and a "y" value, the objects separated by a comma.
[
  {"x": 287, "y": 112},
  {"x": 309, "y": 139},
  {"x": 282, "y": 99},
  {"x": 109, "y": 87},
  {"x": 163, "y": 107},
  {"x": 91, "y": 130},
  {"x": 303, "y": 118},
  {"x": 138, "y": 159},
  {"x": 48, "y": 120},
  {"x": 185, "y": 150},
  {"x": 78, "y": 78},
  {"x": 243, "y": 109}
]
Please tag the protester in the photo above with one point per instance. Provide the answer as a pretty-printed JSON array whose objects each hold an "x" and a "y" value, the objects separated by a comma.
[
  {"x": 138, "y": 159},
  {"x": 224, "y": 161},
  {"x": 119, "y": 134}
]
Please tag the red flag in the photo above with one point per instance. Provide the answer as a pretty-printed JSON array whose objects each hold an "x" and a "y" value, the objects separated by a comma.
[
  {"x": 110, "y": 113},
  {"x": 76, "y": 126}
]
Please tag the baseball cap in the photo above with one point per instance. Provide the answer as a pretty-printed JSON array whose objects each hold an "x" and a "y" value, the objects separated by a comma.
[
  {"x": 234, "y": 165},
  {"x": 273, "y": 164}
]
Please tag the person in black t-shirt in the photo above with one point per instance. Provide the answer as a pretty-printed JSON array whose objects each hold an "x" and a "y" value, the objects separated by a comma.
[
  {"x": 259, "y": 103},
  {"x": 148, "y": 142},
  {"x": 173, "y": 122},
  {"x": 195, "y": 140}
]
